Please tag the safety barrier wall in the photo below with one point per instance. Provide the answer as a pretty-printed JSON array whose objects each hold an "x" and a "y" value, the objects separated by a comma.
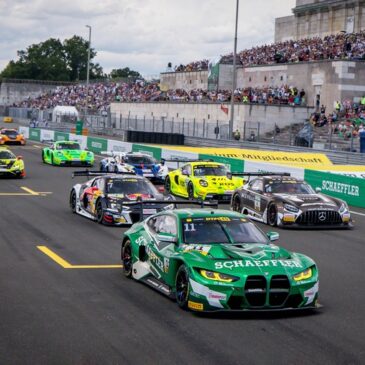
[{"x": 350, "y": 189}]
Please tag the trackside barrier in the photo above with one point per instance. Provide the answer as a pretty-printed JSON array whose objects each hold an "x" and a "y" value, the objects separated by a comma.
[{"x": 350, "y": 189}]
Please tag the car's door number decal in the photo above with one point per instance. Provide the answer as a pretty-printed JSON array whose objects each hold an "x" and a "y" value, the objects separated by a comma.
[
  {"x": 189, "y": 227},
  {"x": 257, "y": 202}
]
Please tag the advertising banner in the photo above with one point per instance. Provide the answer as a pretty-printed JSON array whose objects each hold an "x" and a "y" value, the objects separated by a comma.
[
  {"x": 152, "y": 151},
  {"x": 119, "y": 146},
  {"x": 35, "y": 134},
  {"x": 61, "y": 136},
  {"x": 24, "y": 131},
  {"x": 251, "y": 166},
  {"x": 47, "y": 135},
  {"x": 97, "y": 145},
  {"x": 81, "y": 139},
  {"x": 233, "y": 164}
]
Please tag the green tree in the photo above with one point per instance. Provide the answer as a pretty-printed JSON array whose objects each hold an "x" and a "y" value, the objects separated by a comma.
[
  {"x": 123, "y": 72},
  {"x": 53, "y": 60}
]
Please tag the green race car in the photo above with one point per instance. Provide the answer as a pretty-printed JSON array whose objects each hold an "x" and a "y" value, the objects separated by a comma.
[
  {"x": 204, "y": 180},
  {"x": 11, "y": 165},
  {"x": 211, "y": 260},
  {"x": 67, "y": 153}
]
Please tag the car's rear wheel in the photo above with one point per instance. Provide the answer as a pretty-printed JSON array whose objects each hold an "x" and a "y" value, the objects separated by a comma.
[
  {"x": 272, "y": 215},
  {"x": 236, "y": 204},
  {"x": 73, "y": 201},
  {"x": 52, "y": 160},
  {"x": 127, "y": 259},
  {"x": 191, "y": 191},
  {"x": 99, "y": 212},
  {"x": 182, "y": 287},
  {"x": 167, "y": 185}
]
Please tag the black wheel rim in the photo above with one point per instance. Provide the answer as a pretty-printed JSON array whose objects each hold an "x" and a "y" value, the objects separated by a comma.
[
  {"x": 73, "y": 201},
  {"x": 127, "y": 259},
  {"x": 272, "y": 214},
  {"x": 167, "y": 185},
  {"x": 191, "y": 192},
  {"x": 99, "y": 213},
  {"x": 182, "y": 288}
]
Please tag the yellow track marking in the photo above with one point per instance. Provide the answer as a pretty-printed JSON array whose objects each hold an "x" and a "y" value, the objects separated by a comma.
[
  {"x": 31, "y": 192},
  {"x": 66, "y": 265}
]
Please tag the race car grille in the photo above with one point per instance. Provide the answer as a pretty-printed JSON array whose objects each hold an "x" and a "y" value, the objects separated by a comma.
[
  {"x": 279, "y": 290},
  {"x": 255, "y": 290},
  {"x": 318, "y": 217},
  {"x": 294, "y": 301},
  {"x": 220, "y": 197},
  {"x": 235, "y": 302}
]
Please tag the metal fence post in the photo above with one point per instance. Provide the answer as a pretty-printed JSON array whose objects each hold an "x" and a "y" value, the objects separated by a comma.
[
  {"x": 183, "y": 125},
  {"x": 258, "y": 132},
  {"x": 330, "y": 136},
  {"x": 290, "y": 132},
  {"x": 153, "y": 123},
  {"x": 144, "y": 123},
  {"x": 194, "y": 128},
  {"x": 128, "y": 120},
  {"x": 120, "y": 121},
  {"x": 203, "y": 127},
  {"x": 244, "y": 130}
]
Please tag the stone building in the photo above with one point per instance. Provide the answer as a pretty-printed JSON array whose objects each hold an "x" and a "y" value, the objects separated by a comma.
[{"x": 318, "y": 18}]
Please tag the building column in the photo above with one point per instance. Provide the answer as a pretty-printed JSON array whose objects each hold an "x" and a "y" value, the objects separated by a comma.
[
  {"x": 330, "y": 20},
  {"x": 357, "y": 17}
]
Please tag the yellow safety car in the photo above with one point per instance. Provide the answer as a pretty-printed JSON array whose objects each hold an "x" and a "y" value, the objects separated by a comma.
[{"x": 203, "y": 180}]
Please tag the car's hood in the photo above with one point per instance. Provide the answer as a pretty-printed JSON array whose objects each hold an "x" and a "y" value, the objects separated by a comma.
[
  {"x": 307, "y": 199},
  {"x": 245, "y": 258},
  {"x": 6, "y": 162},
  {"x": 135, "y": 197},
  {"x": 72, "y": 153}
]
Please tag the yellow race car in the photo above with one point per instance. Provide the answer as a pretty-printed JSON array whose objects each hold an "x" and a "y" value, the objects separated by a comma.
[
  {"x": 203, "y": 180},
  {"x": 11, "y": 165}
]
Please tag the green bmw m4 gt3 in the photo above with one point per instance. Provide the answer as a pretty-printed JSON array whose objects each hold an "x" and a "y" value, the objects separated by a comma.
[
  {"x": 212, "y": 260},
  {"x": 67, "y": 153}
]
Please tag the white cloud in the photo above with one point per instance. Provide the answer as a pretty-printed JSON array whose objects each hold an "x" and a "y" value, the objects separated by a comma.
[{"x": 142, "y": 34}]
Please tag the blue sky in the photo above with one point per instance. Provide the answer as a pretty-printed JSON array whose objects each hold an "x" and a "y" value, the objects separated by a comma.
[{"x": 141, "y": 34}]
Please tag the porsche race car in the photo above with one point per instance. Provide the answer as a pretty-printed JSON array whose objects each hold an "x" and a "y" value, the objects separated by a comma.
[
  {"x": 115, "y": 163},
  {"x": 285, "y": 201},
  {"x": 67, "y": 153},
  {"x": 214, "y": 260},
  {"x": 204, "y": 180},
  {"x": 11, "y": 136},
  {"x": 11, "y": 165},
  {"x": 110, "y": 198}
]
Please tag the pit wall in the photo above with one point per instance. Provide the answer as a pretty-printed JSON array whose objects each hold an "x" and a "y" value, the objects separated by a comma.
[{"x": 350, "y": 189}]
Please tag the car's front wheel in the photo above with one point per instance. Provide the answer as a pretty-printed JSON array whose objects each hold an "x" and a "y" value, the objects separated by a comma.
[
  {"x": 168, "y": 185},
  {"x": 127, "y": 259},
  {"x": 182, "y": 287},
  {"x": 272, "y": 215},
  {"x": 191, "y": 191},
  {"x": 43, "y": 157},
  {"x": 99, "y": 212},
  {"x": 73, "y": 201},
  {"x": 236, "y": 204}
]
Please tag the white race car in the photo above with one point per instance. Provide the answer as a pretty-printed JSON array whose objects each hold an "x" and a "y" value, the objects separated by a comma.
[{"x": 114, "y": 162}]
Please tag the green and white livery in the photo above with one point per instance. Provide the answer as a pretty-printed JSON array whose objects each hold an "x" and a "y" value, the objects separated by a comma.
[
  {"x": 212, "y": 260},
  {"x": 67, "y": 153}
]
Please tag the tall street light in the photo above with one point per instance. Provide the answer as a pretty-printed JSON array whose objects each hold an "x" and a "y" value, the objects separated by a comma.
[
  {"x": 234, "y": 75},
  {"x": 88, "y": 57}
]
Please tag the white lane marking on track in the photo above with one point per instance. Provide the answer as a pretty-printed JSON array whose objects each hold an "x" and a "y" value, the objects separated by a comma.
[
  {"x": 36, "y": 146},
  {"x": 358, "y": 213}
]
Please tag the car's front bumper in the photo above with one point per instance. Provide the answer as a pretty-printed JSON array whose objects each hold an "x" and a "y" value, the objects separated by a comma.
[{"x": 73, "y": 163}]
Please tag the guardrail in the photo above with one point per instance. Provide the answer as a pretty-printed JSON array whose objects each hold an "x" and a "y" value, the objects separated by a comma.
[{"x": 337, "y": 157}]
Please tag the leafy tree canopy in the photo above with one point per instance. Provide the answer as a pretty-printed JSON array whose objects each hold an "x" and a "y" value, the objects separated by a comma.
[
  {"x": 54, "y": 60},
  {"x": 123, "y": 72}
]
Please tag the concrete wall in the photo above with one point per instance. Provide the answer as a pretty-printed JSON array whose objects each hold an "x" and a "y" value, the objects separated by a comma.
[
  {"x": 185, "y": 80},
  {"x": 211, "y": 112},
  {"x": 320, "y": 18},
  {"x": 14, "y": 92}
]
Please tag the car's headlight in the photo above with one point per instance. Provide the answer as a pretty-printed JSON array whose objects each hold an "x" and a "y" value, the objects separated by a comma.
[
  {"x": 203, "y": 183},
  {"x": 115, "y": 205},
  {"x": 291, "y": 208},
  {"x": 216, "y": 276},
  {"x": 343, "y": 208},
  {"x": 304, "y": 275},
  {"x": 168, "y": 207}
]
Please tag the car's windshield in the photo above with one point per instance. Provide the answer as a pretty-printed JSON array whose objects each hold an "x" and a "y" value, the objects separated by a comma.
[
  {"x": 8, "y": 132},
  {"x": 210, "y": 170},
  {"x": 6, "y": 155},
  {"x": 290, "y": 187},
  {"x": 129, "y": 186},
  {"x": 68, "y": 146},
  {"x": 210, "y": 230},
  {"x": 140, "y": 160}
]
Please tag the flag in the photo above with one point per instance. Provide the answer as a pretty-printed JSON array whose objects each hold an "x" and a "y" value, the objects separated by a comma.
[{"x": 224, "y": 108}]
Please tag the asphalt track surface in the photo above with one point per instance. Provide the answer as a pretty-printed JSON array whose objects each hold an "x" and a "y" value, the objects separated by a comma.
[{"x": 55, "y": 315}]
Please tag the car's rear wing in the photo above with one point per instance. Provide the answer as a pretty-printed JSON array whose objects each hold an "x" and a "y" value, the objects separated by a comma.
[
  {"x": 113, "y": 153},
  {"x": 100, "y": 173}
]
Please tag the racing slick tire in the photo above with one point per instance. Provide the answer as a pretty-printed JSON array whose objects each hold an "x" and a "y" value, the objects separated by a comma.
[
  {"x": 272, "y": 215},
  {"x": 168, "y": 185},
  {"x": 182, "y": 287},
  {"x": 43, "y": 157},
  {"x": 236, "y": 204},
  {"x": 73, "y": 201},
  {"x": 127, "y": 259},
  {"x": 52, "y": 160},
  {"x": 190, "y": 191},
  {"x": 99, "y": 212}
]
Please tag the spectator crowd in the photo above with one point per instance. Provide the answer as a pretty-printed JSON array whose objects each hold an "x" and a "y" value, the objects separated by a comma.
[
  {"x": 347, "y": 46},
  {"x": 98, "y": 96}
]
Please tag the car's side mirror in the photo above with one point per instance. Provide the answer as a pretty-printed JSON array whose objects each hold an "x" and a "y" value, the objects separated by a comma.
[
  {"x": 229, "y": 175},
  {"x": 167, "y": 237},
  {"x": 273, "y": 236},
  {"x": 318, "y": 190}
]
